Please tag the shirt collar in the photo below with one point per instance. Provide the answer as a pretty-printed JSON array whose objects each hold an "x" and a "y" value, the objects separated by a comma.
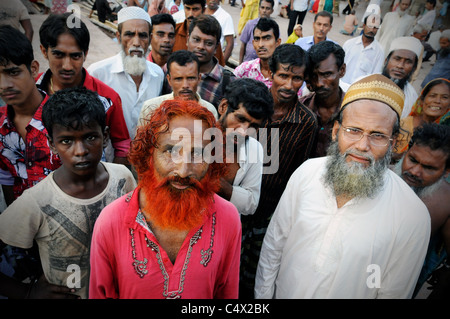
[{"x": 216, "y": 72}]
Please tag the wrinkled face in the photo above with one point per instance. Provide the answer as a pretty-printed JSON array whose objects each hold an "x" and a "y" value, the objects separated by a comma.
[
  {"x": 135, "y": 37},
  {"x": 17, "y": 82},
  {"x": 437, "y": 102},
  {"x": 184, "y": 80},
  {"x": 192, "y": 11},
  {"x": 163, "y": 39},
  {"x": 325, "y": 77},
  {"x": 321, "y": 27},
  {"x": 265, "y": 9},
  {"x": 202, "y": 45},
  {"x": 371, "y": 117},
  {"x": 286, "y": 82},
  {"x": 65, "y": 61},
  {"x": 265, "y": 43},
  {"x": 80, "y": 150},
  {"x": 179, "y": 150},
  {"x": 401, "y": 64},
  {"x": 423, "y": 166}
]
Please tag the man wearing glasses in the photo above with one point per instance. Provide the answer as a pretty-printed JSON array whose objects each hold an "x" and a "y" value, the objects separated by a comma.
[{"x": 346, "y": 226}]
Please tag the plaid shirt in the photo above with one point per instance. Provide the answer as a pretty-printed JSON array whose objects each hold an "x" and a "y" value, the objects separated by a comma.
[
  {"x": 210, "y": 86},
  {"x": 24, "y": 163}
]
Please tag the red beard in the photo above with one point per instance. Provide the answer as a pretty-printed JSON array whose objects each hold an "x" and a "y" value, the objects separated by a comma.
[{"x": 169, "y": 208}]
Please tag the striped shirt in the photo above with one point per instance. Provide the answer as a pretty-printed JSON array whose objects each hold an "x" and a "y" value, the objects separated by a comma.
[{"x": 297, "y": 130}]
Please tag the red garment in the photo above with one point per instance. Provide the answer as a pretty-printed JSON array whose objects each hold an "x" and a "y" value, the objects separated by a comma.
[
  {"x": 25, "y": 163},
  {"x": 118, "y": 132},
  {"x": 207, "y": 265}
]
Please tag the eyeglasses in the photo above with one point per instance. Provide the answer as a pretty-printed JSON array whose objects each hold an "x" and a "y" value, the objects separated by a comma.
[{"x": 376, "y": 139}]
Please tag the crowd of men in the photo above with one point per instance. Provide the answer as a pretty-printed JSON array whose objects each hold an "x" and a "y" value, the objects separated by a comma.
[{"x": 160, "y": 173}]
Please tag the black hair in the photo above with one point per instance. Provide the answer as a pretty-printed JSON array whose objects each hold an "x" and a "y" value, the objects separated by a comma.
[
  {"x": 73, "y": 108},
  {"x": 163, "y": 18},
  {"x": 57, "y": 24},
  {"x": 432, "y": 84},
  {"x": 253, "y": 94},
  {"x": 433, "y": 2},
  {"x": 267, "y": 24},
  {"x": 191, "y": 2},
  {"x": 272, "y": 3},
  {"x": 182, "y": 57},
  {"x": 325, "y": 14},
  {"x": 207, "y": 25},
  {"x": 321, "y": 51},
  {"x": 287, "y": 53},
  {"x": 435, "y": 136},
  {"x": 15, "y": 47}
]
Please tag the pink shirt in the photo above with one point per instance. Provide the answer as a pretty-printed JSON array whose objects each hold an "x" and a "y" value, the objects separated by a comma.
[{"x": 128, "y": 262}]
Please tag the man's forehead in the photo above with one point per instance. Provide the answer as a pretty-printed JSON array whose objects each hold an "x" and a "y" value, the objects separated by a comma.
[
  {"x": 295, "y": 69},
  {"x": 404, "y": 53},
  {"x": 202, "y": 35},
  {"x": 322, "y": 20},
  {"x": 165, "y": 26},
  {"x": 263, "y": 33},
  {"x": 427, "y": 156},
  {"x": 133, "y": 24}
]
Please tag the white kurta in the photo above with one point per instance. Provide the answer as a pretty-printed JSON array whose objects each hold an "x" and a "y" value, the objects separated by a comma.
[
  {"x": 247, "y": 182},
  {"x": 410, "y": 98},
  {"x": 361, "y": 61},
  {"x": 373, "y": 248},
  {"x": 392, "y": 27},
  {"x": 111, "y": 72}
]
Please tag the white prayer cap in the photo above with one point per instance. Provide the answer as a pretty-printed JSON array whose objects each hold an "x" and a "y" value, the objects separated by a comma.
[
  {"x": 446, "y": 34},
  {"x": 407, "y": 43},
  {"x": 133, "y": 12}
]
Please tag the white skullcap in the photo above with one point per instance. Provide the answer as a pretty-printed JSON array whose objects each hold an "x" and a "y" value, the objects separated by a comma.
[
  {"x": 407, "y": 43},
  {"x": 130, "y": 13},
  {"x": 446, "y": 34}
]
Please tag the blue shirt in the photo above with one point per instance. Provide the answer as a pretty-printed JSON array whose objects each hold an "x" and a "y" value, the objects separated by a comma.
[{"x": 307, "y": 42}]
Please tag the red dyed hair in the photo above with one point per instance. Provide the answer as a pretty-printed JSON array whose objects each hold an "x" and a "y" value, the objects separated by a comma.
[{"x": 145, "y": 141}]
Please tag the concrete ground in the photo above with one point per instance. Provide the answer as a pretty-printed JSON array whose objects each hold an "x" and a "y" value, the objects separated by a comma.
[{"x": 103, "y": 45}]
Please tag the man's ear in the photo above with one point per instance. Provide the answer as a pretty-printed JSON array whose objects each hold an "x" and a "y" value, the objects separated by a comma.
[
  {"x": 51, "y": 144},
  {"x": 334, "y": 131},
  {"x": 44, "y": 51},
  {"x": 223, "y": 107},
  {"x": 105, "y": 136},
  {"x": 118, "y": 36},
  {"x": 34, "y": 68},
  {"x": 342, "y": 70}
]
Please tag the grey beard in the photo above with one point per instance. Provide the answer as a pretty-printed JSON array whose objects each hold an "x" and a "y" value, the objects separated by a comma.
[
  {"x": 353, "y": 179},
  {"x": 134, "y": 65},
  {"x": 422, "y": 192}
]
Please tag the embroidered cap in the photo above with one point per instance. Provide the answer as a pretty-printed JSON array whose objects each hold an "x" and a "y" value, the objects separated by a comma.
[
  {"x": 130, "y": 13},
  {"x": 376, "y": 87},
  {"x": 407, "y": 43}
]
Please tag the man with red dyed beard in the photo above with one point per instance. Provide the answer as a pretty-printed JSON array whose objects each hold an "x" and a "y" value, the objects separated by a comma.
[{"x": 172, "y": 237}]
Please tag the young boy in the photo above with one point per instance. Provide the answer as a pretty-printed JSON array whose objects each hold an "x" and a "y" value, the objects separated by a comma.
[{"x": 60, "y": 211}]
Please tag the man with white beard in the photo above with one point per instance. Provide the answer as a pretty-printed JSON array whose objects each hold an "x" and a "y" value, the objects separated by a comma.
[
  {"x": 346, "y": 226},
  {"x": 425, "y": 167},
  {"x": 395, "y": 24},
  {"x": 129, "y": 73}
]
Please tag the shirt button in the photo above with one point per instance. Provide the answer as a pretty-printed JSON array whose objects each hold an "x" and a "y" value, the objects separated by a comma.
[{"x": 30, "y": 164}]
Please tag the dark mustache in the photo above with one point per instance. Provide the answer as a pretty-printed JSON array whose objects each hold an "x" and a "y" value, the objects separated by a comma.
[{"x": 415, "y": 178}]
